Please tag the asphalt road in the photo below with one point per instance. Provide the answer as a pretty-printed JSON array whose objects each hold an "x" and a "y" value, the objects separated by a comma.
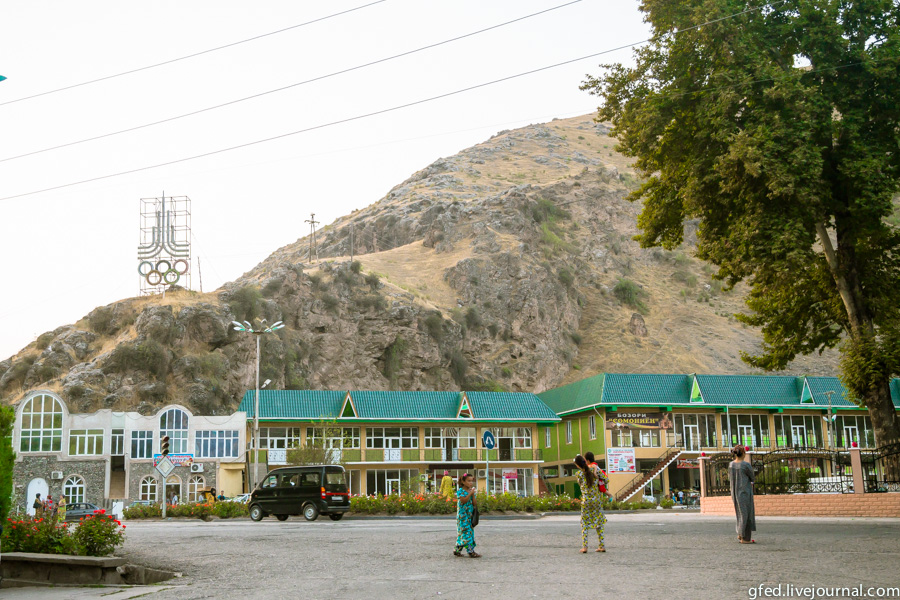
[{"x": 650, "y": 555}]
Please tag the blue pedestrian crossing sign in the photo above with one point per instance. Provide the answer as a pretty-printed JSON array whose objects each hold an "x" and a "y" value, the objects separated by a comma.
[{"x": 488, "y": 440}]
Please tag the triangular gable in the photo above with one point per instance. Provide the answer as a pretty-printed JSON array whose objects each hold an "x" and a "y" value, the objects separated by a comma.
[
  {"x": 465, "y": 410},
  {"x": 696, "y": 394},
  {"x": 348, "y": 409},
  {"x": 806, "y": 396}
]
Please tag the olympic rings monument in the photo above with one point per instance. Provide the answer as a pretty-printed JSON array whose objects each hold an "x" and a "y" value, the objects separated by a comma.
[{"x": 164, "y": 252}]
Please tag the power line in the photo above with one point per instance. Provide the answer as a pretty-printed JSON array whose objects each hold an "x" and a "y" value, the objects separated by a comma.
[
  {"x": 290, "y": 86},
  {"x": 180, "y": 58},
  {"x": 364, "y": 115}
]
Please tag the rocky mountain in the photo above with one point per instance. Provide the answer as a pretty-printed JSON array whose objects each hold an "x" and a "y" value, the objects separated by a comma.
[{"x": 507, "y": 266}]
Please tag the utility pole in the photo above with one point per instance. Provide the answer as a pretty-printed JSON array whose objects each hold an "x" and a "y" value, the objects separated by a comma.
[
  {"x": 312, "y": 236},
  {"x": 200, "y": 274},
  {"x": 830, "y": 427}
]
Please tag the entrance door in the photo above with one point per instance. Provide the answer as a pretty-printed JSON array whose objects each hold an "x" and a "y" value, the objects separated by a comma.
[
  {"x": 505, "y": 445},
  {"x": 746, "y": 433},
  {"x": 798, "y": 435},
  {"x": 173, "y": 489},
  {"x": 692, "y": 437},
  {"x": 392, "y": 482},
  {"x": 851, "y": 434},
  {"x": 451, "y": 449},
  {"x": 35, "y": 486},
  {"x": 392, "y": 449}
]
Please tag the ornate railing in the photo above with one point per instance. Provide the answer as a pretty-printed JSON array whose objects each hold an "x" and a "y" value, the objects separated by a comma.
[
  {"x": 785, "y": 471},
  {"x": 881, "y": 469}
]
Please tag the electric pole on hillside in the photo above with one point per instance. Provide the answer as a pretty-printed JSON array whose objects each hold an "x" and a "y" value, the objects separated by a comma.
[{"x": 313, "y": 248}]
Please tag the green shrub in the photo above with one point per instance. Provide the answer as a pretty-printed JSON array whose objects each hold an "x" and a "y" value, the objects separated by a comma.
[
  {"x": 330, "y": 302},
  {"x": 356, "y": 266},
  {"x": 147, "y": 355},
  {"x": 271, "y": 288},
  {"x": 99, "y": 534},
  {"x": 245, "y": 303},
  {"x": 142, "y": 511},
  {"x": 434, "y": 325},
  {"x": 16, "y": 373},
  {"x": 368, "y": 301},
  {"x": 473, "y": 319},
  {"x": 506, "y": 372},
  {"x": 392, "y": 356},
  {"x": 576, "y": 337},
  {"x": 488, "y": 385},
  {"x": 667, "y": 503},
  {"x": 44, "y": 372},
  {"x": 372, "y": 280},
  {"x": 565, "y": 277},
  {"x": 458, "y": 366},
  {"x": 102, "y": 321},
  {"x": 44, "y": 340},
  {"x": 685, "y": 277},
  {"x": 630, "y": 294},
  {"x": 96, "y": 535},
  {"x": 316, "y": 280}
]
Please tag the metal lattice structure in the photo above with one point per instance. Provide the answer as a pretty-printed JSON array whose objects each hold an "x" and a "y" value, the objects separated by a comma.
[{"x": 164, "y": 251}]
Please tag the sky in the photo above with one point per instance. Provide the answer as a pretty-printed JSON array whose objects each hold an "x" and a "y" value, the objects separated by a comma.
[{"x": 69, "y": 250}]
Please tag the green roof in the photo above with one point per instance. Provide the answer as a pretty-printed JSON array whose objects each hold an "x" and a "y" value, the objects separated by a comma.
[
  {"x": 575, "y": 396},
  {"x": 750, "y": 390},
  {"x": 652, "y": 390},
  {"x": 509, "y": 406},
  {"x": 304, "y": 405},
  {"x": 293, "y": 404}
]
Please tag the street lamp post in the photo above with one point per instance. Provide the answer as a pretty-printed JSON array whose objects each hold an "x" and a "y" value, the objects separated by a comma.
[{"x": 245, "y": 326}]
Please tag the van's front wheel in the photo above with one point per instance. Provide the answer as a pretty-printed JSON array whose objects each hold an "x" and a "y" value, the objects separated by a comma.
[
  {"x": 310, "y": 512},
  {"x": 256, "y": 513},
  {"x": 336, "y": 517}
]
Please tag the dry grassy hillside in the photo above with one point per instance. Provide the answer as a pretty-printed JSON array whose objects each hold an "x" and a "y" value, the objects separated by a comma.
[{"x": 509, "y": 265}]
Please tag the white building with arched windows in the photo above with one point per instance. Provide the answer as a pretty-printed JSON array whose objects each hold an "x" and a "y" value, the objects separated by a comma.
[{"x": 112, "y": 455}]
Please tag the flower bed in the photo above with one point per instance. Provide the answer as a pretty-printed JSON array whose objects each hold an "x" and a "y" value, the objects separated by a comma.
[
  {"x": 436, "y": 504},
  {"x": 97, "y": 535},
  {"x": 223, "y": 510}
]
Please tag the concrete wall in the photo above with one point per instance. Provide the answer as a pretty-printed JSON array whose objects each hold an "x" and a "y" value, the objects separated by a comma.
[{"x": 810, "y": 505}]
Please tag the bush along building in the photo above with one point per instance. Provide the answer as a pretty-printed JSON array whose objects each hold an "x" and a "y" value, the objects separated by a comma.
[
  {"x": 393, "y": 442},
  {"x": 107, "y": 455},
  {"x": 648, "y": 431}
]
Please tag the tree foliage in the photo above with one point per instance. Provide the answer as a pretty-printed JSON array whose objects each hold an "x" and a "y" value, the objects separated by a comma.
[
  {"x": 318, "y": 448},
  {"x": 777, "y": 126},
  {"x": 7, "y": 417}
]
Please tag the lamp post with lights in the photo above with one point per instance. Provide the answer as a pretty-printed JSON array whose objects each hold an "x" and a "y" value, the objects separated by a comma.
[{"x": 264, "y": 328}]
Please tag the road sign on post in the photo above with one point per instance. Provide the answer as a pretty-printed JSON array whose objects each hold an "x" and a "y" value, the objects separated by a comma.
[
  {"x": 164, "y": 467},
  {"x": 488, "y": 441}
]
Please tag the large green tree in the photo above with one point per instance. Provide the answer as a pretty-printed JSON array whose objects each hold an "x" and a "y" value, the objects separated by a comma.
[
  {"x": 777, "y": 126},
  {"x": 7, "y": 417}
]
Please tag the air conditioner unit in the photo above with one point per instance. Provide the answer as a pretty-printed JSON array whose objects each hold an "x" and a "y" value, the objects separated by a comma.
[
  {"x": 197, "y": 468},
  {"x": 56, "y": 475}
]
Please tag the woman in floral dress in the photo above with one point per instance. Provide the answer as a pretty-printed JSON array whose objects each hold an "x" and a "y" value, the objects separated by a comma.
[
  {"x": 465, "y": 508},
  {"x": 592, "y": 516}
]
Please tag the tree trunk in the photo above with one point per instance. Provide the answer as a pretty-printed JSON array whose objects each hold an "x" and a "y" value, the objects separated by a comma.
[{"x": 877, "y": 391}]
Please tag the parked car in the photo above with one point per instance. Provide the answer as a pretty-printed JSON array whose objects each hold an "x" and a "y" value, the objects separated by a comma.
[
  {"x": 310, "y": 491},
  {"x": 141, "y": 503},
  {"x": 78, "y": 510},
  {"x": 241, "y": 498}
]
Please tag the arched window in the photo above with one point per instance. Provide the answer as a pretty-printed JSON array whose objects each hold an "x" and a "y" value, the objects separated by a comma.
[
  {"x": 148, "y": 488},
  {"x": 174, "y": 423},
  {"x": 195, "y": 485},
  {"x": 73, "y": 489},
  {"x": 42, "y": 421}
]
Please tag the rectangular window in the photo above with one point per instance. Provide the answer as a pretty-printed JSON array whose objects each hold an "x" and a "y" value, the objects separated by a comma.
[
  {"x": 141, "y": 444},
  {"x": 117, "y": 442},
  {"x": 216, "y": 444},
  {"x": 86, "y": 442},
  {"x": 548, "y": 437},
  {"x": 279, "y": 438},
  {"x": 592, "y": 427},
  {"x": 392, "y": 437},
  {"x": 568, "y": 432},
  {"x": 346, "y": 438}
]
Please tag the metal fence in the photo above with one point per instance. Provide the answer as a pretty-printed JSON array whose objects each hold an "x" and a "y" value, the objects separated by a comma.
[
  {"x": 881, "y": 469},
  {"x": 785, "y": 471}
]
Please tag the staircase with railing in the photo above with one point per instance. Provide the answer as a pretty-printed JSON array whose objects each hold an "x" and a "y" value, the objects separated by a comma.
[{"x": 641, "y": 479}]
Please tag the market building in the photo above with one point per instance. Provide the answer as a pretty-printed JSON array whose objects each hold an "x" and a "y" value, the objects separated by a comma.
[
  {"x": 107, "y": 455},
  {"x": 392, "y": 442},
  {"x": 648, "y": 431}
]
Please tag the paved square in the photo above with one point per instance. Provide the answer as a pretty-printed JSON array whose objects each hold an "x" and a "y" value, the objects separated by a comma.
[{"x": 666, "y": 555}]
